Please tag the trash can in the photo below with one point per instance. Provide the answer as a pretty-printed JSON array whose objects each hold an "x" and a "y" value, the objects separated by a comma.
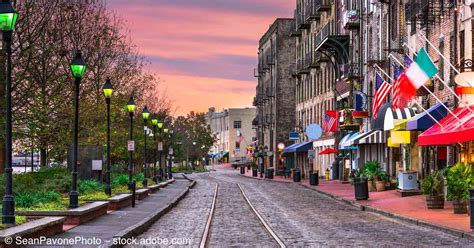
[
  {"x": 314, "y": 178},
  {"x": 242, "y": 170},
  {"x": 254, "y": 172},
  {"x": 361, "y": 188},
  {"x": 270, "y": 172},
  {"x": 296, "y": 175}
]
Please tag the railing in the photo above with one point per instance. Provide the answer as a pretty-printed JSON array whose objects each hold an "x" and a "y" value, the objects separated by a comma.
[
  {"x": 322, "y": 5},
  {"x": 324, "y": 33},
  {"x": 308, "y": 60}
]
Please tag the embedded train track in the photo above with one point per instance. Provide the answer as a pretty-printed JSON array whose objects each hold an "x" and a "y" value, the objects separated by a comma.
[{"x": 208, "y": 228}]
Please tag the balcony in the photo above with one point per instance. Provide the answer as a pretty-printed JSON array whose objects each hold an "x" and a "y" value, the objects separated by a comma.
[
  {"x": 351, "y": 19},
  {"x": 351, "y": 71},
  {"x": 310, "y": 12},
  {"x": 319, "y": 58},
  {"x": 300, "y": 21},
  {"x": 301, "y": 67},
  {"x": 330, "y": 38},
  {"x": 322, "y": 5}
]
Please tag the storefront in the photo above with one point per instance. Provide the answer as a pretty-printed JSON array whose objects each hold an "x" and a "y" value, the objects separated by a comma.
[
  {"x": 324, "y": 161},
  {"x": 297, "y": 156}
]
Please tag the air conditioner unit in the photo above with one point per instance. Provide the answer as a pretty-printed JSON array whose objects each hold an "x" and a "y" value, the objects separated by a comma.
[{"x": 408, "y": 180}]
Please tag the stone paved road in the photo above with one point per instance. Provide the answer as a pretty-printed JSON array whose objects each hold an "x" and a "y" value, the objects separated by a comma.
[{"x": 301, "y": 217}]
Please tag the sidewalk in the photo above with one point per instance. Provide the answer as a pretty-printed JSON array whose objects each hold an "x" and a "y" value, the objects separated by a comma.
[
  {"x": 389, "y": 203},
  {"x": 108, "y": 226}
]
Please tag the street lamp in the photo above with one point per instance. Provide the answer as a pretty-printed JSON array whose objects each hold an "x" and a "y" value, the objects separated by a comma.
[
  {"x": 108, "y": 89},
  {"x": 131, "y": 147},
  {"x": 156, "y": 124},
  {"x": 8, "y": 18},
  {"x": 170, "y": 153},
  {"x": 165, "y": 131},
  {"x": 78, "y": 67},
  {"x": 146, "y": 116}
]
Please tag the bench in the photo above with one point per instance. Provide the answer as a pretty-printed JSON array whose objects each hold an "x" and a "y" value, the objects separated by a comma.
[
  {"x": 41, "y": 227},
  {"x": 119, "y": 201},
  {"x": 141, "y": 194}
]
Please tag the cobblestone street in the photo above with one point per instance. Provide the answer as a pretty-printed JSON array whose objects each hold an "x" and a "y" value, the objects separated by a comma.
[{"x": 299, "y": 216}]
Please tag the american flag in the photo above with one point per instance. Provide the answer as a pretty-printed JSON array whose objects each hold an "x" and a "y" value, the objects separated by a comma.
[
  {"x": 381, "y": 93},
  {"x": 330, "y": 121}
]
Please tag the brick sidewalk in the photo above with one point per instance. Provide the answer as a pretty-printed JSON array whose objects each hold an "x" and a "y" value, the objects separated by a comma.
[{"x": 388, "y": 202}]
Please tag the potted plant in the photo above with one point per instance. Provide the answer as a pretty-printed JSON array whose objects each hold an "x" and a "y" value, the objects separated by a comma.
[
  {"x": 432, "y": 187},
  {"x": 371, "y": 171},
  {"x": 381, "y": 178},
  {"x": 458, "y": 180}
]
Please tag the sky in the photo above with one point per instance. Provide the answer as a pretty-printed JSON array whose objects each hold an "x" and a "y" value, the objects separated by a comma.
[{"x": 204, "y": 51}]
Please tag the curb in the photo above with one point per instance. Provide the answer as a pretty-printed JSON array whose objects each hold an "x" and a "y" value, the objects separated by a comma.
[
  {"x": 143, "y": 225},
  {"x": 361, "y": 207},
  {"x": 264, "y": 179}
]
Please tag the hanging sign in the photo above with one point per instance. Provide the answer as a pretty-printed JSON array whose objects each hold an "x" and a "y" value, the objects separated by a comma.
[{"x": 294, "y": 136}]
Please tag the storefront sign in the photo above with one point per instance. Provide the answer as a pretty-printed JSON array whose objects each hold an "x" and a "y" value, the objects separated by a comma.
[{"x": 294, "y": 136}]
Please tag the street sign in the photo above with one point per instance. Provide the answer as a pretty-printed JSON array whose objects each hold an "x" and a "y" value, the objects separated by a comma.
[
  {"x": 97, "y": 165},
  {"x": 314, "y": 131},
  {"x": 131, "y": 145},
  {"x": 293, "y": 136},
  {"x": 160, "y": 146}
]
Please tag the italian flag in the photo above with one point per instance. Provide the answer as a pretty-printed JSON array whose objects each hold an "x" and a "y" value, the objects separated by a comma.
[{"x": 418, "y": 73}]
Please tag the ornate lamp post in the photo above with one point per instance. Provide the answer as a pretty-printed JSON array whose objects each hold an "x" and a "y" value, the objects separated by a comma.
[
  {"x": 8, "y": 18},
  {"x": 146, "y": 116},
  {"x": 156, "y": 124},
  {"x": 131, "y": 111},
  {"x": 78, "y": 67},
  {"x": 170, "y": 153},
  {"x": 165, "y": 131},
  {"x": 108, "y": 89}
]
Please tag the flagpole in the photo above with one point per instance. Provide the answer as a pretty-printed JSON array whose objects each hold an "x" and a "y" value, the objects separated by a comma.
[
  {"x": 419, "y": 105},
  {"x": 445, "y": 84},
  {"x": 431, "y": 93},
  {"x": 440, "y": 54}
]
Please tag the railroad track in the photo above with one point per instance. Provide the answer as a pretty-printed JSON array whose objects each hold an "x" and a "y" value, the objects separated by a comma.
[{"x": 208, "y": 228}]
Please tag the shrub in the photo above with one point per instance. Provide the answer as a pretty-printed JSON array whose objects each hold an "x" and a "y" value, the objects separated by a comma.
[
  {"x": 433, "y": 184},
  {"x": 26, "y": 200},
  {"x": 139, "y": 177},
  {"x": 120, "y": 180},
  {"x": 88, "y": 186},
  {"x": 459, "y": 177},
  {"x": 50, "y": 196}
]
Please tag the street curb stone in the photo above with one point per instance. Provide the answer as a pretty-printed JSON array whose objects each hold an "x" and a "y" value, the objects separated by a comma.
[
  {"x": 143, "y": 225},
  {"x": 361, "y": 207}
]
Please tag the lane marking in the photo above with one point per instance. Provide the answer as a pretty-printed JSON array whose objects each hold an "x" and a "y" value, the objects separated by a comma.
[
  {"x": 205, "y": 236},
  {"x": 267, "y": 227}
]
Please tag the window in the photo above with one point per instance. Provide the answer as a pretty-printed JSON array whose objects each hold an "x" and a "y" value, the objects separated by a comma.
[
  {"x": 237, "y": 145},
  {"x": 238, "y": 124}
]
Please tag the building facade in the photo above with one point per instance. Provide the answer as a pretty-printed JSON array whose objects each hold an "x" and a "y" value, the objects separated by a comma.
[
  {"x": 233, "y": 131},
  {"x": 275, "y": 91}
]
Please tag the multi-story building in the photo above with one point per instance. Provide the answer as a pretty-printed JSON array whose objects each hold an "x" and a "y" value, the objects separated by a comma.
[
  {"x": 275, "y": 92},
  {"x": 233, "y": 131}
]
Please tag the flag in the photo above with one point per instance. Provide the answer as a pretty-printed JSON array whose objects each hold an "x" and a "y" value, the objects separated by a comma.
[
  {"x": 330, "y": 121},
  {"x": 417, "y": 74},
  {"x": 380, "y": 94}
]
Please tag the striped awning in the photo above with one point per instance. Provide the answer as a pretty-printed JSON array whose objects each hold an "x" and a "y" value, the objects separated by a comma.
[
  {"x": 388, "y": 117},
  {"x": 371, "y": 137}
]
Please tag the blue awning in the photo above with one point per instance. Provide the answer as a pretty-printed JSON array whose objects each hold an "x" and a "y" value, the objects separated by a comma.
[
  {"x": 299, "y": 147},
  {"x": 424, "y": 121},
  {"x": 345, "y": 139}
]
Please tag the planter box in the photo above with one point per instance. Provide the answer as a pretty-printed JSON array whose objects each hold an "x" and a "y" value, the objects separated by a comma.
[
  {"x": 141, "y": 194},
  {"x": 153, "y": 188},
  {"x": 119, "y": 201},
  {"x": 75, "y": 216},
  {"x": 47, "y": 226}
]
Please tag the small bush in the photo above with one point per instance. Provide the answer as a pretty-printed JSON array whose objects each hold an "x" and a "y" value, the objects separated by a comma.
[
  {"x": 121, "y": 180},
  {"x": 26, "y": 200},
  {"x": 89, "y": 186},
  {"x": 139, "y": 177},
  {"x": 50, "y": 196}
]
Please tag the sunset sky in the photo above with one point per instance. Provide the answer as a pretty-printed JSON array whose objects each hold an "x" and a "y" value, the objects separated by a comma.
[{"x": 203, "y": 50}]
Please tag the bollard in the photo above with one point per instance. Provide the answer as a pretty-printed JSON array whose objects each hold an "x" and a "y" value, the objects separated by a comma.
[
  {"x": 471, "y": 207},
  {"x": 134, "y": 187}
]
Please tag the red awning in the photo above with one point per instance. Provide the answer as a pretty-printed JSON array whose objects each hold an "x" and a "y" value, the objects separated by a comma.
[
  {"x": 451, "y": 130},
  {"x": 328, "y": 151}
]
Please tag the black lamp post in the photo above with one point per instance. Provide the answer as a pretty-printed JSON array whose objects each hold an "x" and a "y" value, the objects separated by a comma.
[
  {"x": 131, "y": 111},
  {"x": 146, "y": 116},
  {"x": 108, "y": 89},
  {"x": 78, "y": 67},
  {"x": 156, "y": 124},
  {"x": 166, "y": 132},
  {"x": 8, "y": 18},
  {"x": 170, "y": 153}
]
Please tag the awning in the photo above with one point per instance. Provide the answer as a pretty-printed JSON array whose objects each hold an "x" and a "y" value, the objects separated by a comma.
[
  {"x": 451, "y": 130},
  {"x": 299, "y": 147},
  {"x": 399, "y": 137},
  {"x": 328, "y": 151},
  {"x": 343, "y": 141},
  {"x": 387, "y": 117},
  {"x": 424, "y": 121},
  {"x": 371, "y": 137}
]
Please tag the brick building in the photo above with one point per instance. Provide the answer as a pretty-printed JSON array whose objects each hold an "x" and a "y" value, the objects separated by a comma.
[{"x": 275, "y": 91}]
